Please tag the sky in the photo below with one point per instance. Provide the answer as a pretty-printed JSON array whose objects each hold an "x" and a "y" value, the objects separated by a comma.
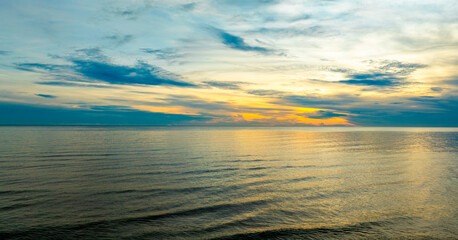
[{"x": 229, "y": 62}]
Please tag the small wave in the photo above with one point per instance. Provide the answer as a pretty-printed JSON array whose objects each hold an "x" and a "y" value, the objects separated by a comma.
[
  {"x": 78, "y": 155},
  {"x": 362, "y": 230},
  {"x": 257, "y": 168},
  {"x": 104, "y": 225},
  {"x": 302, "y": 166},
  {"x": 250, "y": 160},
  {"x": 154, "y": 190},
  {"x": 197, "y": 172},
  {"x": 300, "y": 179},
  {"x": 16, "y": 206},
  {"x": 16, "y": 192}
]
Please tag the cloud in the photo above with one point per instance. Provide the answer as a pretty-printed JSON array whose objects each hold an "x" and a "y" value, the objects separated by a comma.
[
  {"x": 33, "y": 67},
  {"x": 28, "y": 114},
  {"x": 46, "y": 95},
  {"x": 400, "y": 68},
  {"x": 189, "y": 6},
  {"x": 89, "y": 53},
  {"x": 315, "y": 31},
  {"x": 224, "y": 84},
  {"x": 443, "y": 103},
  {"x": 389, "y": 73},
  {"x": 197, "y": 103},
  {"x": 261, "y": 92},
  {"x": 404, "y": 117},
  {"x": 326, "y": 115},
  {"x": 91, "y": 65},
  {"x": 169, "y": 54},
  {"x": 162, "y": 53},
  {"x": 120, "y": 39},
  {"x": 453, "y": 81},
  {"x": 321, "y": 101},
  {"x": 301, "y": 18},
  {"x": 142, "y": 73},
  {"x": 110, "y": 108},
  {"x": 422, "y": 111},
  {"x": 132, "y": 12},
  {"x": 248, "y": 4},
  {"x": 238, "y": 43},
  {"x": 437, "y": 89},
  {"x": 129, "y": 13},
  {"x": 372, "y": 79},
  {"x": 72, "y": 84},
  {"x": 191, "y": 102}
]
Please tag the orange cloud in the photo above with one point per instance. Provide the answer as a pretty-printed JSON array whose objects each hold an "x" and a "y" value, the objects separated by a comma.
[{"x": 168, "y": 110}]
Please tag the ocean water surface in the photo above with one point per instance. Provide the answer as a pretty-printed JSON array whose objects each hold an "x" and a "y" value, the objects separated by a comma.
[{"x": 228, "y": 183}]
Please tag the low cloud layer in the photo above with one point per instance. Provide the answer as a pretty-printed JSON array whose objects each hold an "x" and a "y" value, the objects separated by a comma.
[{"x": 29, "y": 114}]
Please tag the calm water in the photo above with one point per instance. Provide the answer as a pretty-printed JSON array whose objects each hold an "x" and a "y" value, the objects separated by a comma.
[{"x": 228, "y": 183}]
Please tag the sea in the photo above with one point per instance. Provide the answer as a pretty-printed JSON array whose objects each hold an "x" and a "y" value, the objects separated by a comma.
[{"x": 140, "y": 182}]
